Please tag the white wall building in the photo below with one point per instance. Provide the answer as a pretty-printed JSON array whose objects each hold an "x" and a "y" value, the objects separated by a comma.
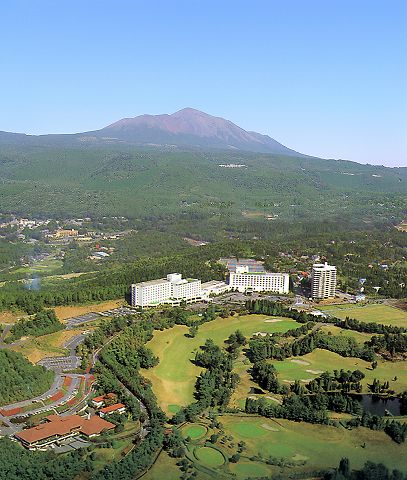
[
  {"x": 243, "y": 281},
  {"x": 214, "y": 287},
  {"x": 323, "y": 281},
  {"x": 173, "y": 289}
]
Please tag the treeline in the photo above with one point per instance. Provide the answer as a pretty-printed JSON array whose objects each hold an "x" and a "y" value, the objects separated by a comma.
[
  {"x": 343, "y": 380},
  {"x": 20, "y": 379},
  {"x": 304, "y": 408},
  {"x": 122, "y": 358},
  {"x": 392, "y": 344},
  {"x": 370, "y": 471},
  {"x": 215, "y": 384},
  {"x": 42, "y": 323},
  {"x": 262, "y": 348},
  {"x": 395, "y": 429}
]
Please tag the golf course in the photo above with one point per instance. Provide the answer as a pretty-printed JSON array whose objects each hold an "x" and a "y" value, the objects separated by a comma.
[{"x": 174, "y": 377}]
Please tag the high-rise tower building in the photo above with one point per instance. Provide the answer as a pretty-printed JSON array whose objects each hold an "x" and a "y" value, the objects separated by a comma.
[{"x": 323, "y": 281}]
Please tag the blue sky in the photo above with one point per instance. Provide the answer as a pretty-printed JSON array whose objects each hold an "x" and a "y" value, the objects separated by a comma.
[{"x": 325, "y": 77}]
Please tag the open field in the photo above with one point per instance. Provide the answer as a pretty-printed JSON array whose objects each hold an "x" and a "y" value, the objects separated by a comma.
[
  {"x": 305, "y": 368},
  {"x": 75, "y": 310},
  {"x": 35, "y": 349},
  {"x": 320, "y": 446},
  {"x": 369, "y": 313},
  {"x": 173, "y": 378}
]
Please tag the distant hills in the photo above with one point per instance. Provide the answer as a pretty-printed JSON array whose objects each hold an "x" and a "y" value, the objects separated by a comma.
[{"x": 186, "y": 128}]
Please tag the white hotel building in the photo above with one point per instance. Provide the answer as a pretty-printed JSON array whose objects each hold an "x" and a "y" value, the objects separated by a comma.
[
  {"x": 323, "y": 281},
  {"x": 244, "y": 281},
  {"x": 173, "y": 289}
]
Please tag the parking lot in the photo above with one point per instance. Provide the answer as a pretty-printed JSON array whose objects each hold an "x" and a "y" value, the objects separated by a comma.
[
  {"x": 80, "y": 319},
  {"x": 60, "y": 364}
]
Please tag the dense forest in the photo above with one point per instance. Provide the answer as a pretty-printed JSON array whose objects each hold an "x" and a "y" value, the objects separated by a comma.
[
  {"x": 16, "y": 463},
  {"x": 20, "y": 379},
  {"x": 42, "y": 323},
  {"x": 89, "y": 181}
]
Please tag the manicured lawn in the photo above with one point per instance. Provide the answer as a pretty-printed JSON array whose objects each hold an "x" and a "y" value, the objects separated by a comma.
[
  {"x": 370, "y": 313},
  {"x": 209, "y": 456},
  {"x": 174, "y": 377},
  {"x": 320, "y": 445},
  {"x": 194, "y": 431},
  {"x": 308, "y": 366},
  {"x": 248, "y": 429}
]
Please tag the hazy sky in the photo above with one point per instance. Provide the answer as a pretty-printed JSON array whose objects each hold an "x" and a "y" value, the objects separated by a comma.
[{"x": 325, "y": 77}]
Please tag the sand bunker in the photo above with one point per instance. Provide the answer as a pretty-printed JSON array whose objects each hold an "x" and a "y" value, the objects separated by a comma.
[
  {"x": 273, "y": 320},
  {"x": 300, "y": 362},
  {"x": 315, "y": 372},
  {"x": 260, "y": 334},
  {"x": 268, "y": 427}
]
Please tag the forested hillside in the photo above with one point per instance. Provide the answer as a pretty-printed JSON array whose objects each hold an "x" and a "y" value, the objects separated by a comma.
[
  {"x": 153, "y": 183},
  {"x": 20, "y": 379}
]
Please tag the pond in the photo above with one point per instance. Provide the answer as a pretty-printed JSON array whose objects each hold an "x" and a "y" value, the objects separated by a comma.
[{"x": 379, "y": 406}]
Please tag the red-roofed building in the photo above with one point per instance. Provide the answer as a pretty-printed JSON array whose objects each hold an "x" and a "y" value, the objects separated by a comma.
[
  {"x": 100, "y": 401},
  {"x": 58, "y": 428},
  {"x": 116, "y": 408}
]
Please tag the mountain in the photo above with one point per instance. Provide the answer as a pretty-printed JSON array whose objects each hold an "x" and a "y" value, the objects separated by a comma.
[
  {"x": 186, "y": 128},
  {"x": 190, "y": 127}
]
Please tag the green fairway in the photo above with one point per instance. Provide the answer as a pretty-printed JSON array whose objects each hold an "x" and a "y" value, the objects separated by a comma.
[
  {"x": 312, "y": 364},
  {"x": 209, "y": 456},
  {"x": 173, "y": 378},
  {"x": 248, "y": 429},
  {"x": 321, "y": 446},
  {"x": 194, "y": 431},
  {"x": 250, "y": 469},
  {"x": 370, "y": 313}
]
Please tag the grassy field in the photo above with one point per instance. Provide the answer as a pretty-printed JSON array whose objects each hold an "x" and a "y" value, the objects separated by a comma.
[
  {"x": 164, "y": 468},
  {"x": 312, "y": 364},
  {"x": 74, "y": 310},
  {"x": 8, "y": 317},
  {"x": 370, "y": 313},
  {"x": 319, "y": 445},
  {"x": 173, "y": 378},
  {"x": 35, "y": 349}
]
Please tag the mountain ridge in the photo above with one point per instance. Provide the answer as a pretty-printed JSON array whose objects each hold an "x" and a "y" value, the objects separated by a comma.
[{"x": 187, "y": 127}]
